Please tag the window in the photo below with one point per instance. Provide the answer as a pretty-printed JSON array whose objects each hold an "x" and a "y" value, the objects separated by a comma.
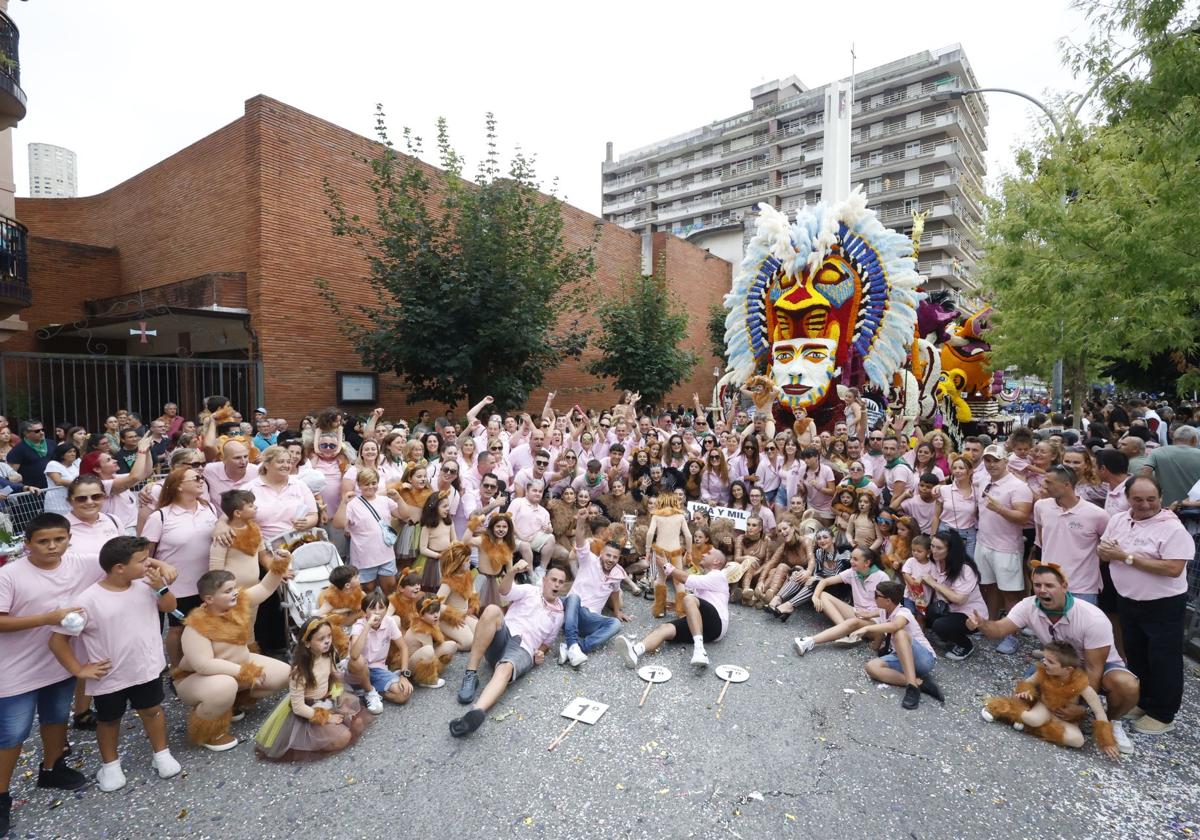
[
  {"x": 912, "y": 205},
  {"x": 912, "y": 149},
  {"x": 875, "y": 185}
]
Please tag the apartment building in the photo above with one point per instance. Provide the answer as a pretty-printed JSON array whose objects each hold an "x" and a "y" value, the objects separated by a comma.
[
  {"x": 910, "y": 151},
  {"x": 52, "y": 172}
]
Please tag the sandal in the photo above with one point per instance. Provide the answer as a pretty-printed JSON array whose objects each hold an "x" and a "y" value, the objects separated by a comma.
[{"x": 85, "y": 720}]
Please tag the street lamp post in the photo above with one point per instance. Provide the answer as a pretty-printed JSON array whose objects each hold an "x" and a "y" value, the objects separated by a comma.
[{"x": 1056, "y": 377}]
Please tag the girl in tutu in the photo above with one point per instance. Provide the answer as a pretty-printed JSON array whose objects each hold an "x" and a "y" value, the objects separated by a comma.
[
  {"x": 457, "y": 592},
  {"x": 496, "y": 547},
  {"x": 318, "y": 716}
]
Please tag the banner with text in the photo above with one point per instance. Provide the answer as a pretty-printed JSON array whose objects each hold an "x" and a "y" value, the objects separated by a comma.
[{"x": 738, "y": 516}]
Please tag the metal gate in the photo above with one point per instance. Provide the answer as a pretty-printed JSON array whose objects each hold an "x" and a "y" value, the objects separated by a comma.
[{"x": 84, "y": 389}]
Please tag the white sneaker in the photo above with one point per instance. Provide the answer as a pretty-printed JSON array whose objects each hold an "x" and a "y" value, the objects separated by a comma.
[
  {"x": 439, "y": 684},
  {"x": 110, "y": 777},
  {"x": 628, "y": 652},
  {"x": 562, "y": 653},
  {"x": 700, "y": 657},
  {"x": 1017, "y": 725},
  {"x": 576, "y": 655},
  {"x": 803, "y": 645},
  {"x": 374, "y": 702},
  {"x": 239, "y": 715},
  {"x": 165, "y": 764},
  {"x": 852, "y": 639},
  {"x": 986, "y": 715},
  {"x": 1124, "y": 744}
]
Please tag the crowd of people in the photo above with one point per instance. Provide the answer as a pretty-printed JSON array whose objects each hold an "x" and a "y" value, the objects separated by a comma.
[{"x": 510, "y": 538}]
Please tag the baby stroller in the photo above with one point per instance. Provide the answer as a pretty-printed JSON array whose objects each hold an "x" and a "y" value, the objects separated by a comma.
[{"x": 313, "y": 559}]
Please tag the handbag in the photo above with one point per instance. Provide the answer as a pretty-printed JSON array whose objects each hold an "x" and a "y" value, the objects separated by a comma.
[
  {"x": 937, "y": 608},
  {"x": 389, "y": 533}
]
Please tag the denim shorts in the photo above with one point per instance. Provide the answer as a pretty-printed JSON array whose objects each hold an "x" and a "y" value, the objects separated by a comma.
[
  {"x": 923, "y": 660},
  {"x": 51, "y": 702},
  {"x": 388, "y": 569},
  {"x": 506, "y": 647},
  {"x": 382, "y": 679}
]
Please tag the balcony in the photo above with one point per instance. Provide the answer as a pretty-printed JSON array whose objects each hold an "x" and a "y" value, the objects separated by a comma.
[
  {"x": 15, "y": 293},
  {"x": 12, "y": 98}
]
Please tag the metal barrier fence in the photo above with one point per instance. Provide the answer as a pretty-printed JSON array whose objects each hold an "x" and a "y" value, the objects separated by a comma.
[{"x": 84, "y": 389}]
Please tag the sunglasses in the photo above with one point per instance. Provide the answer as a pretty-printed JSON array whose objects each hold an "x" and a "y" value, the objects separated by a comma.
[
  {"x": 883, "y": 520},
  {"x": 95, "y": 497},
  {"x": 541, "y": 463},
  {"x": 491, "y": 487},
  {"x": 327, "y": 446},
  {"x": 496, "y": 448},
  {"x": 449, "y": 472},
  {"x": 37, "y": 431}
]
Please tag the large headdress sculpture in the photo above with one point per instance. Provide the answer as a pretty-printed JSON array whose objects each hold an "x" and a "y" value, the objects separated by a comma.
[{"x": 829, "y": 299}]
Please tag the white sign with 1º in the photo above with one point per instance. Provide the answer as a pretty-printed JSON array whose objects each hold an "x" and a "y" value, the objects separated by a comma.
[{"x": 584, "y": 710}]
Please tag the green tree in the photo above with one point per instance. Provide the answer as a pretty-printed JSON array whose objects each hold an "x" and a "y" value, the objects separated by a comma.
[
  {"x": 640, "y": 332},
  {"x": 716, "y": 328},
  {"x": 1091, "y": 244},
  {"x": 476, "y": 290}
]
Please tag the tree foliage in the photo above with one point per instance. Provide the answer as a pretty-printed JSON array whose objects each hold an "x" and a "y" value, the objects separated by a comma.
[
  {"x": 640, "y": 332},
  {"x": 472, "y": 280},
  {"x": 1093, "y": 244},
  {"x": 716, "y": 328}
]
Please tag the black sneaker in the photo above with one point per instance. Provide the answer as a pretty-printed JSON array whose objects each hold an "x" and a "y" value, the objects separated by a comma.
[
  {"x": 928, "y": 686},
  {"x": 5, "y": 813},
  {"x": 959, "y": 653},
  {"x": 467, "y": 724},
  {"x": 912, "y": 696},
  {"x": 85, "y": 720},
  {"x": 470, "y": 686},
  {"x": 61, "y": 777}
]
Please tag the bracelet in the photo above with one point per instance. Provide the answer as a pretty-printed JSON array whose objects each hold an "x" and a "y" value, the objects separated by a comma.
[{"x": 162, "y": 592}]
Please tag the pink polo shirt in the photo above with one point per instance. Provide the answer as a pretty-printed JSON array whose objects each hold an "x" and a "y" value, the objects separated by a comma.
[
  {"x": 27, "y": 590},
  {"x": 88, "y": 538},
  {"x": 873, "y": 465},
  {"x": 900, "y": 472},
  {"x": 531, "y": 618},
  {"x": 1115, "y": 501},
  {"x": 996, "y": 532},
  {"x": 379, "y": 641},
  {"x": 714, "y": 490},
  {"x": 183, "y": 539},
  {"x": 592, "y": 585},
  {"x": 124, "y": 628},
  {"x": 959, "y": 511},
  {"x": 1085, "y": 627},
  {"x": 921, "y": 511},
  {"x": 967, "y": 584},
  {"x": 278, "y": 508},
  {"x": 528, "y": 519},
  {"x": 910, "y": 625},
  {"x": 1070, "y": 537},
  {"x": 863, "y": 590},
  {"x": 712, "y": 587},
  {"x": 819, "y": 500},
  {"x": 218, "y": 480},
  {"x": 122, "y": 505},
  {"x": 367, "y": 548},
  {"x": 332, "y": 493},
  {"x": 1162, "y": 537}
]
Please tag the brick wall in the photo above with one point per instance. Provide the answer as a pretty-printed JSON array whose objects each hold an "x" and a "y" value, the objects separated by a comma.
[{"x": 249, "y": 198}]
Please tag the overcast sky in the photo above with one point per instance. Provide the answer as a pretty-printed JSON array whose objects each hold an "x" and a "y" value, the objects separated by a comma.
[{"x": 125, "y": 84}]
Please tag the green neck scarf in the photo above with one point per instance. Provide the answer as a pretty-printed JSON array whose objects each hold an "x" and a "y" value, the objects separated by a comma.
[
  {"x": 40, "y": 448},
  {"x": 1070, "y": 602},
  {"x": 895, "y": 462},
  {"x": 862, "y": 482},
  {"x": 870, "y": 572}
]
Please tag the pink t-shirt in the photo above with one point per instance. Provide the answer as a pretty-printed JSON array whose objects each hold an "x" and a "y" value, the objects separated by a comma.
[
  {"x": 332, "y": 492},
  {"x": 921, "y": 511},
  {"x": 27, "y": 590},
  {"x": 1162, "y": 537},
  {"x": 915, "y": 569},
  {"x": 278, "y": 508},
  {"x": 520, "y": 459},
  {"x": 1070, "y": 539},
  {"x": 1085, "y": 627},
  {"x": 713, "y": 489},
  {"x": 900, "y": 472},
  {"x": 379, "y": 641},
  {"x": 183, "y": 539},
  {"x": 967, "y": 584},
  {"x": 862, "y": 590},
  {"x": 593, "y": 587},
  {"x": 531, "y": 618},
  {"x": 122, "y": 505},
  {"x": 996, "y": 532},
  {"x": 911, "y": 626},
  {"x": 958, "y": 511},
  {"x": 124, "y": 628},
  {"x": 88, "y": 538},
  {"x": 1115, "y": 501},
  {"x": 818, "y": 499},
  {"x": 712, "y": 587},
  {"x": 873, "y": 465},
  {"x": 528, "y": 518},
  {"x": 367, "y": 548},
  {"x": 218, "y": 480}
]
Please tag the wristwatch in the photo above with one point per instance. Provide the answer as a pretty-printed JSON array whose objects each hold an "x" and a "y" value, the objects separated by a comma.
[
  {"x": 406, "y": 673},
  {"x": 162, "y": 592},
  {"x": 1128, "y": 559}
]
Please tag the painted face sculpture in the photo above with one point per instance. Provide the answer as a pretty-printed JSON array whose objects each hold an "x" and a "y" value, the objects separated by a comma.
[{"x": 827, "y": 300}]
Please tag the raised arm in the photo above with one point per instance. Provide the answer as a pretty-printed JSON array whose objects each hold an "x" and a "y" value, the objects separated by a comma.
[
  {"x": 473, "y": 413},
  {"x": 140, "y": 469}
]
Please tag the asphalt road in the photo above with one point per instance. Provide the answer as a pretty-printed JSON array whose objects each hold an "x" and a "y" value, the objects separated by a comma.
[{"x": 806, "y": 748}]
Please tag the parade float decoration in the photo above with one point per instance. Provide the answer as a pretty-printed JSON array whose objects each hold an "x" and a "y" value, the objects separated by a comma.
[{"x": 820, "y": 304}]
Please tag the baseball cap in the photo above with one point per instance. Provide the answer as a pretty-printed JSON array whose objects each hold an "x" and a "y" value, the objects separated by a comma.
[
  {"x": 260, "y": 410},
  {"x": 996, "y": 451}
]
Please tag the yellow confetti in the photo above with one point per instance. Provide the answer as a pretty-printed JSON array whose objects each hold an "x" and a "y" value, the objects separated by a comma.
[
  {"x": 181, "y": 815},
  {"x": 736, "y": 812},
  {"x": 664, "y": 791},
  {"x": 791, "y": 817},
  {"x": 620, "y": 786},
  {"x": 349, "y": 780},
  {"x": 529, "y": 821}
]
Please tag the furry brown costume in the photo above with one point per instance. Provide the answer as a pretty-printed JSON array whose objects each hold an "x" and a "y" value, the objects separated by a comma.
[
  {"x": 201, "y": 731},
  {"x": 456, "y": 575},
  {"x": 338, "y": 599},
  {"x": 248, "y": 540},
  {"x": 427, "y": 672},
  {"x": 1058, "y": 694}
]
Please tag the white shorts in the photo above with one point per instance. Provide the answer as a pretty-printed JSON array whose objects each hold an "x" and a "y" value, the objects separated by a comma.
[
  {"x": 539, "y": 540},
  {"x": 1001, "y": 568}
]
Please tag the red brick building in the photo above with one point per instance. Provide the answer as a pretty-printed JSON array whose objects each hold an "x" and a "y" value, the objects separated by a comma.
[{"x": 215, "y": 250}]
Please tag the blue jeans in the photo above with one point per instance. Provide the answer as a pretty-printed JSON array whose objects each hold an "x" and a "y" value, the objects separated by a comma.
[
  {"x": 922, "y": 660},
  {"x": 52, "y": 703},
  {"x": 596, "y": 629},
  {"x": 968, "y": 538}
]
